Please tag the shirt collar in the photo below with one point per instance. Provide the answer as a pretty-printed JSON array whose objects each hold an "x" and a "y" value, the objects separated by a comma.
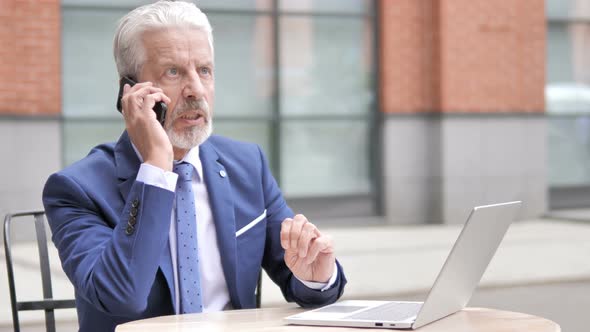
[{"x": 192, "y": 157}]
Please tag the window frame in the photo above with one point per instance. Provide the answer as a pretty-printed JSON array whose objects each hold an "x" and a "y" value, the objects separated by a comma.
[{"x": 350, "y": 205}]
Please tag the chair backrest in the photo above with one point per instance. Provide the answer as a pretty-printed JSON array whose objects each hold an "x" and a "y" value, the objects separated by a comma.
[
  {"x": 48, "y": 304},
  {"x": 258, "y": 291}
]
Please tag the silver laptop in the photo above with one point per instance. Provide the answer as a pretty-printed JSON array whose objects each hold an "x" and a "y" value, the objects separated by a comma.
[{"x": 481, "y": 235}]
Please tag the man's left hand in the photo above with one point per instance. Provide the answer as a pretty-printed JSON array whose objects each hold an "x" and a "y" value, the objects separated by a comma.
[{"x": 308, "y": 253}]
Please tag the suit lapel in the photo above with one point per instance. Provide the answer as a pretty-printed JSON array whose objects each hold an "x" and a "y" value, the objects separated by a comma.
[
  {"x": 127, "y": 165},
  {"x": 222, "y": 207}
]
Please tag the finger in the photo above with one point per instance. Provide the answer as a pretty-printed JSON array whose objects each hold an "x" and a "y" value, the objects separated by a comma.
[
  {"x": 317, "y": 232},
  {"x": 133, "y": 99},
  {"x": 126, "y": 88},
  {"x": 151, "y": 100},
  {"x": 285, "y": 231},
  {"x": 146, "y": 90},
  {"x": 307, "y": 234},
  {"x": 139, "y": 86},
  {"x": 298, "y": 222},
  {"x": 319, "y": 245},
  {"x": 165, "y": 98}
]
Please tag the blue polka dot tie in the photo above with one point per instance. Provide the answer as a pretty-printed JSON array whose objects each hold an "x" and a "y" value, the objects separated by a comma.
[{"x": 189, "y": 281}]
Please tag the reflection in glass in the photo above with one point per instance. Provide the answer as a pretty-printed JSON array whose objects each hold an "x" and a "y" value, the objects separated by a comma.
[
  {"x": 568, "y": 69},
  {"x": 569, "y": 150},
  {"x": 559, "y": 57},
  {"x": 235, "y": 4},
  {"x": 567, "y": 9},
  {"x": 89, "y": 72},
  {"x": 325, "y": 66},
  {"x": 247, "y": 131},
  {"x": 202, "y": 4},
  {"x": 81, "y": 136},
  {"x": 567, "y": 93},
  {"x": 325, "y": 157},
  {"x": 568, "y": 47},
  {"x": 333, "y": 6},
  {"x": 243, "y": 70}
]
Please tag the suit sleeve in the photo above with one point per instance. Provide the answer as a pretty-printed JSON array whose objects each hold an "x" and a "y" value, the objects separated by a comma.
[
  {"x": 112, "y": 268},
  {"x": 273, "y": 262}
]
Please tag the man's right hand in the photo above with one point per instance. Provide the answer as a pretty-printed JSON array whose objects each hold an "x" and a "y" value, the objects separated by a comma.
[{"x": 146, "y": 133}]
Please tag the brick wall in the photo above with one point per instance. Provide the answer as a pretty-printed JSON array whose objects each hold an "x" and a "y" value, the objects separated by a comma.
[
  {"x": 409, "y": 74},
  {"x": 30, "y": 57},
  {"x": 462, "y": 56}
]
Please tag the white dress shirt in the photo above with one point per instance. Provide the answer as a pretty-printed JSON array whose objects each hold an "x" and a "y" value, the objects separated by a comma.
[{"x": 215, "y": 294}]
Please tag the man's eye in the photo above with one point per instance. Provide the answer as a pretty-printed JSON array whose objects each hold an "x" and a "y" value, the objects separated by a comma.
[
  {"x": 172, "y": 71},
  {"x": 205, "y": 71}
]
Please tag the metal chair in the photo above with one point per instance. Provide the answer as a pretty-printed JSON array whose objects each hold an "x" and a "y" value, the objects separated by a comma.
[
  {"x": 258, "y": 291},
  {"x": 48, "y": 304}
]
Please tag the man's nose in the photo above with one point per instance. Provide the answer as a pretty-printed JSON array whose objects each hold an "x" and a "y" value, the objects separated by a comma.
[{"x": 193, "y": 88}]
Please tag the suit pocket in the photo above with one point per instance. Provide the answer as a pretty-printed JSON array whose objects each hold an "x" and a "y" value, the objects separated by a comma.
[{"x": 251, "y": 224}]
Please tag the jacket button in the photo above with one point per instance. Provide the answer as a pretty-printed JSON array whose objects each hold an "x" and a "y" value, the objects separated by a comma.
[
  {"x": 133, "y": 212},
  {"x": 129, "y": 230},
  {"x": 135, "y": 203},
  {"x": 132, "y": 221}
]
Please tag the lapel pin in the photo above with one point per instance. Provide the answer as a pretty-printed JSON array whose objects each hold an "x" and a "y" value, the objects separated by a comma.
[{"x": 222, "y": 173}]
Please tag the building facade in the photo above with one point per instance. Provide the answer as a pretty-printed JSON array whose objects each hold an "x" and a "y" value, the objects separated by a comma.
[{"x": 411, "y": 110}]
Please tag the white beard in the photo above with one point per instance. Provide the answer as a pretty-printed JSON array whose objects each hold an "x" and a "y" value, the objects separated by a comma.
[{"x": 193, "y": 136}]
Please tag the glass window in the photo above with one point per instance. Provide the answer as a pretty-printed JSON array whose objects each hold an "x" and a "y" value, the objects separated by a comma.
[
  {"x": 569, "y": 150},
  {"x": 326, "y": 65},
  {"x": 323, "y": 6},
  {"x": 80, "y": 136},
  {"x": 567, "y": 9},
  {"x": 568, "y": 68},
  {"x": 307, "y": 103},
  {"x": 90, "y": 77},
  {"x": 248, "y": 131},
  {"x": 235, "y": 4},
  {"x": 325, "y": 158},
  {"x": 559, "y": 53},
  {"x": 567, "y": 92},
  {"x": 89, "y": 73},
  {"x": 244, "y": 84},
  {"x": 203, "y": 4}
]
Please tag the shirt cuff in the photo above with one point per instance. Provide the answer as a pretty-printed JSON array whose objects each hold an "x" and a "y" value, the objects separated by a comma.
[
  {"x": 322, "y": 286},
  {"x": 155, "y": 176}
]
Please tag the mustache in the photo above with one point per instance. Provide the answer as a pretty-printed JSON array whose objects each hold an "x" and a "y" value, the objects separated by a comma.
[{"x": 188, "y": 106}]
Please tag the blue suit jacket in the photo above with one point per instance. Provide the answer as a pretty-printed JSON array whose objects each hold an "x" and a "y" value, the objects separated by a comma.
[{"x": 122, "y": 274}]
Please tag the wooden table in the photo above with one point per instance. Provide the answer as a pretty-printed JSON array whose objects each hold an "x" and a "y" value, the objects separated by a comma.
[{"x": 270, "y": 319}]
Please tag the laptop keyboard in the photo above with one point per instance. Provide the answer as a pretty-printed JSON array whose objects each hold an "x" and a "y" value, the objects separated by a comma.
[{"x": 394, "y": 311}]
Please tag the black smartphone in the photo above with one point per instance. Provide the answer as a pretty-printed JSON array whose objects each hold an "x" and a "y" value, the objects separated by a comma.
[{"x": 160, "y": 108}]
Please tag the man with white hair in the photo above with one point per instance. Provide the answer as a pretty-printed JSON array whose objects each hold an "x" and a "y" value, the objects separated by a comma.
[{"x": 170, "y": 219}]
